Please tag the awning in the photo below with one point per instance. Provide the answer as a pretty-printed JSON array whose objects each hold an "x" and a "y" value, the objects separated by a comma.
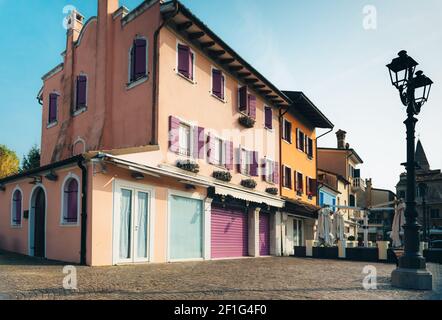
[
  {"x": 252, "y": 196},
  {"x": 301, "y": 209}
]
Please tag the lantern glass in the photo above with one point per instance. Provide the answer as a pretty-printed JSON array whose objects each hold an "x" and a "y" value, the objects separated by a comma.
[
  {"x": 399, "y": 69},
  {"x": 422, "y": 85}
]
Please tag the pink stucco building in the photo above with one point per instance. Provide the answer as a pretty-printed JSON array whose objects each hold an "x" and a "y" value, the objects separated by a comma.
[{"x": 159, "y": 144}]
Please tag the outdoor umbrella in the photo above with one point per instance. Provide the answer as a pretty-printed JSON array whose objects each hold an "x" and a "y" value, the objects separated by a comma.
[
  {"x": 338, "y": 226},
  {"x": 398, "y": 223},
  {"x": 324, "y": 226}
]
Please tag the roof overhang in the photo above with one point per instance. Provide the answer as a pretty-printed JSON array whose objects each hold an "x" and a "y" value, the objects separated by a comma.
[
  {"x": 187, "y": 25},
  {"x": 252, "y": 196},
  {"x": 307, "y": 108},
  {"x": 301, "y": 208}
]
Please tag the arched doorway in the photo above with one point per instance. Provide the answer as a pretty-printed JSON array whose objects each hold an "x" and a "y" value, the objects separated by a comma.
[{"x": 37, "y": 225}]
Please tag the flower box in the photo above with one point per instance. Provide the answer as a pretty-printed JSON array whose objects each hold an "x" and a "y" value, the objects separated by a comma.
[
  {"x": 249, "y": 183},
  {"x": 222, "y": 176},
  {"x": 188, "y": 165},
  {"x": 247, "y": 121},
  {"x": 272, "y": 191}
]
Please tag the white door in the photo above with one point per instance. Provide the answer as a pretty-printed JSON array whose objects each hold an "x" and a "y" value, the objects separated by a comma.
[{"x": 132, "y": 225}]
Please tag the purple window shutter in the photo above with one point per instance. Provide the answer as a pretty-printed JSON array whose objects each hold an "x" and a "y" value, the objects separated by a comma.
[
  {"x": 223, "y": 81},
  {"x": 252, "y": 106},
  {"x": 254, "y": 164},
  {"x": 191, "y": 60},
  {"x": 211, "y": 149},
  {"x": 229, "y": 155},
  {"x": 239, "y": 160},
  {"x": 183, "y": 60},
  {"x": 81, "y": 91},
  {"x": 53, "y": 98},
  {"x": 217, "y": 83},
  {"x": 275, "y": 173},
  {"x": 174, "y": 134},
  {"x": 268, "y": 117},
  {"x": 72, "y": 201},
  {"x": 140, "y": 60},
  {"x": 263, "y": 169},
  {"x": 243, "y": 99},
  {"x": 199, "y": 142}
]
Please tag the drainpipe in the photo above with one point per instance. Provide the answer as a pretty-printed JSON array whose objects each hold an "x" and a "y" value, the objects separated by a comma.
[
  {"x": 84, "y": 177},
  {"x": 155, "y": 79}
]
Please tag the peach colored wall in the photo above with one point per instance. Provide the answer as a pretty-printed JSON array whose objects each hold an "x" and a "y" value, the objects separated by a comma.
[
  {"x": 103, "y": 55},
  {"x": 333, "y": 161},
  {"x": 193, "y": 102},
  {"x": 102, "y": 213},
  {"x": 298, "y": 160},
  {"x": 62, "y": 242}
]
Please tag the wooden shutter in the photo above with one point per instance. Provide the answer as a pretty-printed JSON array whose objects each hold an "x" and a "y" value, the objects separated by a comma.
[
  {"x": 140, "y": 60},
  {"x": 198, "y": 142},
  {"x": 174, "y": 134},
  {"x": 252, "y": 106},
  {"x": 243, "y": 99},
  {"x": 239, "y": 159},
  {"x": 254, "y": 163},
  {"x": 268, "y": 117},
  {"x": 217, "y": 83},
  {"x": 275, "y": 173},
  {"x": 228, "y": 147},
  {"x": 81, "y": 91},
  {"x": 184, "y": 59},
  {"x": 53, "y": 98}
]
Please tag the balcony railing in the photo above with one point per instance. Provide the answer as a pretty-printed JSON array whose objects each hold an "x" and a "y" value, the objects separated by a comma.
[{"x": 359, "y": 183}]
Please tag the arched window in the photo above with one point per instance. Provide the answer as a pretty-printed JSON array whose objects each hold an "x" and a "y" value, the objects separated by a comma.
[
  {"x": 138, "y": 60},
  {"x": 16, "y": 208},
  {"x": 70, "y": 201}
]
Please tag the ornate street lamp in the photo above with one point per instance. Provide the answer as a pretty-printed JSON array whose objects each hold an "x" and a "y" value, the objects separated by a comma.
[{"x": 414, "y": 89}]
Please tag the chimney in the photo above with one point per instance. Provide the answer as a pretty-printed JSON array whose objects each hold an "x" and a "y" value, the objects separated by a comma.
[
  {"x": 368, "y": 190},
  {"x": 341, "y": 139},
  {"x": 107, "y": 7}
]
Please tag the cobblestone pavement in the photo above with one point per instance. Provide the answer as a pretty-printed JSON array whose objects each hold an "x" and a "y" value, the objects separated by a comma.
[{"x": 264, "y": 278}]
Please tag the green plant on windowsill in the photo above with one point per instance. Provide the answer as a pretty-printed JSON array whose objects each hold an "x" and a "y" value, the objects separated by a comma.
[
  {"x": 248, "y": 183},
  {"x": 222, "y": 176},
  {"x": 247, "y": 121},
  {"x": 272, "y": 191},
  {"x": 188, "y": 165},
  {"x": 351, "y": 238}
]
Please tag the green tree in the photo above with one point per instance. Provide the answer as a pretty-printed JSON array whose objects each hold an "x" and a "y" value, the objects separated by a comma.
[
  {"x": 31, "y": 160},
  {"x": 9, "y": 162}
]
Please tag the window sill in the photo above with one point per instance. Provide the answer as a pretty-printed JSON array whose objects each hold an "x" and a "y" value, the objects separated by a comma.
[
  {"x": 79, "y": 111},
  {"x": 268, "y": 129},
  {"x": 16, "y": 226},
  {"x": 218, "y": 98},
  {"x": 52, "y": 124},
  {"x": 69, "y": 225},
  {"x": 286, "y": 141},
  {"x": 135, "y": 83},
  {"x": 192, "y": 81}
]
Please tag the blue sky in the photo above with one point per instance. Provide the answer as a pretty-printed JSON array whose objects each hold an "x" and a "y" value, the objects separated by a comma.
[{"x": 317, "y": 46}]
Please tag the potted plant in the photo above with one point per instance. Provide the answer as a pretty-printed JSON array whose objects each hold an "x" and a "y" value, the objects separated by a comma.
[
  {"x": 188, "y": 165},
  {"x": 272, "y": 191},
  {"x": 222, "y": 176},
  {"x": 248, "y": 183},
  {"x": 299, "y": 192},
  {"x": 247, "y": 121},
  {"x": 310, "y": 195}
]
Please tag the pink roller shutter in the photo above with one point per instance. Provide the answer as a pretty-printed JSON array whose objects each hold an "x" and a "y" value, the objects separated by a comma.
[
  {"x": 184, "y": 59},
  {"x": 264, "y": 234},
  {"x": 252, "y": 106},
  {"x": 243, "y": 99},
  {"x": 229, "y": 233},
  {"x": 140, "y": 54},
  {"x": 254, "y": 164},
  {"x": 81, "y": 91},
  {"x": 174, "y": 134}
]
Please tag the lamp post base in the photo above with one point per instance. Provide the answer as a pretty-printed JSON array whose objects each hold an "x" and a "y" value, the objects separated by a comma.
[{"x": 414, "y": 279}]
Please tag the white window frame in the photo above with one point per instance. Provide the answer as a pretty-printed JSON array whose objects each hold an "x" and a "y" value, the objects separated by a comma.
[
  {"x": 284, "y": 167},
  {"x": 193, "y": 80},
  {"x": 222, "y": 151},
  {"x": 298, "y": 140},
  {"x": 63, "y": 202},
  {"x": 224, "y": 84},
  {"x": 271, "y": 109},
  {"x": 130, "y": 83},
  {"x": 245, "y": 162},
  {"x": 15, "y": 225},
  {"x": 269, "y": 169},
  {"x": 190, "y": 140},
  {"x": 245, "y": 112},
  {"x": 302, "y": 181}
]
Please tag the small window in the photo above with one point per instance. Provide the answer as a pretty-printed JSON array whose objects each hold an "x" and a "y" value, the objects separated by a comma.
[
  {"x": 310, "y": 148},
  {"x": 53, "y": 107},
  {"x": 245, "y": 162},
  {"x": 287, "y": 131},
  {"x": 218, "y": 83},
  {"x": 299, "y": 183},
  {"x": 268, "y": 117},
  {"x": 218, "y": 152},
  {"x": 16, "y": 208},
  {"x": 81, "y": 95},
  {"x": 269, "y": 170},
  {"x": 287, "y": 177},
  {"x": 186, "y": 59},
  {"x": 185, "y": 140},
  {"x": 138, "y": 60},
  {"x": 300, "y": 143},
  {"x": 70, "y": 201}
]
